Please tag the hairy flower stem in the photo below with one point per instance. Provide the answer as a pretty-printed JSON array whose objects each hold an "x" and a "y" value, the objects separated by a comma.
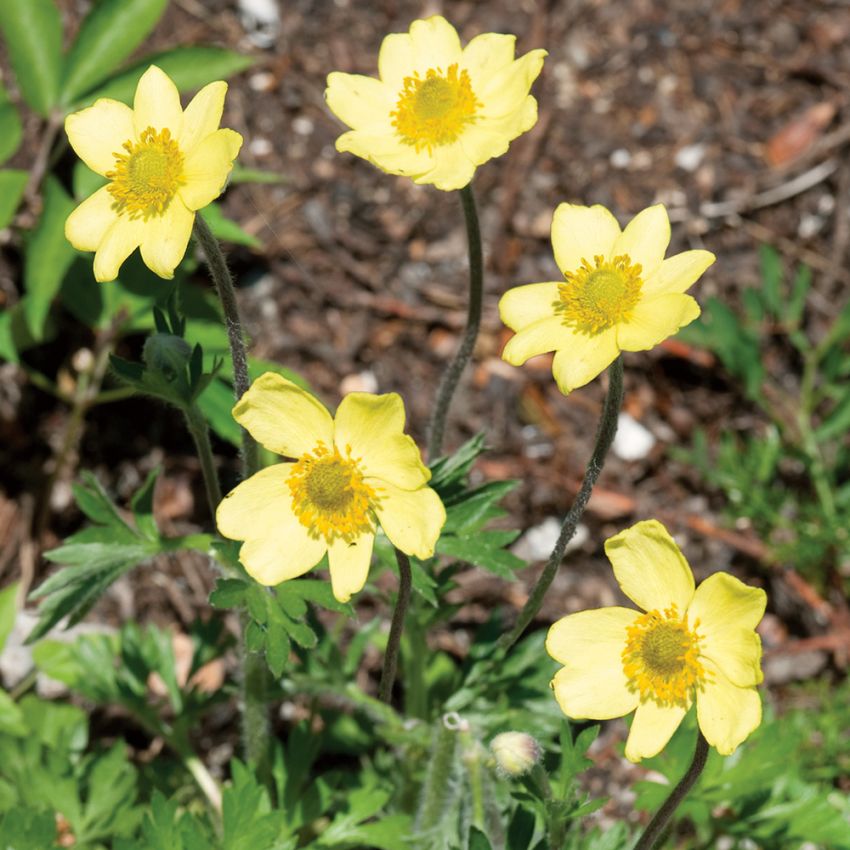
[
  {"x": 256, "y": 731},
  {"x": 220, "y": 274},
  {"x": 604, "y": 437},
  {"x": 662, "y": 817},
  {"x": 385, "y": 689},
  {"x": 449, "y": 381},
  {"x": 197, "y": 426},
  {"x": 438, "y": 779}
]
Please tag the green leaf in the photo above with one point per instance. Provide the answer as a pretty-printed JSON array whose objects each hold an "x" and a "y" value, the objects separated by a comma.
[
  {"x": 33, "y": 33},
  {"x": 142, "y": 505},
  {"x": 10, "y": 127},
  {"x": 93, "y": 500},
  {"x": 771, "y": 275},
  {"x": 189, "y": 67},
  {"x": 226, "y": 229},
  {"x": 478, "y": 840},
  {"x": 11, "y": 717},
  {"x": 8, "y": 610},
  {"x": 108, "y": 35},
  {"x": 49, "y": 255},
  {"x": 837, "y": 423},
  {"x": 241, "y": 174},
  {"x": 484, "y": 549},
  {"x": 12, "y": 184}
]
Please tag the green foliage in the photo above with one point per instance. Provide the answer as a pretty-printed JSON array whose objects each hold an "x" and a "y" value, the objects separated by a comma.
[{"x": 11, "y": 131}]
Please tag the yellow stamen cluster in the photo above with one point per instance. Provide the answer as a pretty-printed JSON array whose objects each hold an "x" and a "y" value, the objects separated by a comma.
[
  {"x": 148, "y": 175},
  {"x": 661, "y": 658},
  {"x": 329, "y": 495},
  {"x": 598, "y": 297},
  {"x": 433, "y": 111}
]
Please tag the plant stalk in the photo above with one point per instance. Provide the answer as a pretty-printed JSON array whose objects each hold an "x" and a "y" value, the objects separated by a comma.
[
  {"x": 449, "y": 381},
  {"x": 201, "y": 435},
  {"x": 604, "y": 437},
  {"x": 385, "y": 689},
  {"x": 662, "y": 817}
]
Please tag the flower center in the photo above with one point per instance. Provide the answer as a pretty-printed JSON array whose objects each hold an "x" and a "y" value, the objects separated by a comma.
[
  {"x": 597, "y": 297},
  {"x": 661, "y": 658},
  {"x": 148, "y": 175},
  {"x": 329, "y": 495},
  {"x": 434, "y": 111}
]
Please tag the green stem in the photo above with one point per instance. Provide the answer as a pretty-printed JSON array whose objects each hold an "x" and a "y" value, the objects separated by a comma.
[
  {"x": 396, "y": 628},
  {"x": 205, "y": 780},
  {"x": 256, "y": 728},
  {"x": 604, "y": 437},
  {"x": 415, "y": 692},
  {"x": 220, "y": 274},
  {"x": 201, "y": 435},
  {"x": 438, "y": 779},
  {"x": 449, "y": 381},
  {"x": 662, "y": 817}
]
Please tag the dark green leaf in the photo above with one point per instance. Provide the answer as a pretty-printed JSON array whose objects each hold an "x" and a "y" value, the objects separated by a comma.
[
  {"x": 520, "y": 829},
  {"x": 33, "y": 33},
  {"x": 142, "y": 505},
  {"x": 478, "y": 840},
  {"x": 12, "y": 184},
  {"x": 771, "y": 275},
  {"x": 484, "y": 549},
  {"x": 10, "y": 128},
  {"x": 108, "y": 35}
]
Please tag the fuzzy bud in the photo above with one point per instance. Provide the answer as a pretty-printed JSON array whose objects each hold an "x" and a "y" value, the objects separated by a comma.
[{"x": 516, "y": 753}]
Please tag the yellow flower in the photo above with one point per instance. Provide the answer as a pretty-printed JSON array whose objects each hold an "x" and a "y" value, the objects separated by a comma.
[
  {"x": 687, "y": 645},
  {"x": 618, "y": 293},
  {"x": 351, "y": 472},
  {"x": 163, "y": 164},
  {"x": 439, "y": 110}
]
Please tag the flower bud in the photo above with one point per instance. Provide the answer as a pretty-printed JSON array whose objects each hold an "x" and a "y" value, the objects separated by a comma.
[
  {"x": 166, "y": 354},
  {"x": 515, "y": 753}
]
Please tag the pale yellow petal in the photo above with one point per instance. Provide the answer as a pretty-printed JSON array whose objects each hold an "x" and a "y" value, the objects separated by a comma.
[
  {"x": 452, "y": 168},
  {"x": 652, "y": 728},
  {"x": 411, "y": 519},
  {"x": 650, "y": 568},
  {"x": 505, "y": 91},
  {"x": 257, "y": 506},
  {"x": 207, "y": 167},
  {"x": 372, "y": 426},
  {"x": 677, "y": 273},
  {"x": 486, "y": 55},
  {"x": 97, "y": 134},
  {"x": 590, "y": 644},
  {"x": 395, "y": 60},
  {"x": 282, "y": 417},
  {"x": 119, "y": 241},
  {"x": 736, "y": 651},
  {"x": 580, "y": 233},
  {"x": 435, "y": 44},
  {"x": 489, "y": 138},
  {"x": 537, "y": 338},
  {"x": 387, "y": 152},
  {"x": 645, "y": 239},
  {"x": 88, "y": 223},
  {"x": 583, "y": 359},
  {"x": 524, "y": 305},
  {"x": 286, "y": 552},
  {"x": 726, "y": 713},
  {"x": 349, "y": 565},
  {"x": 363, "y": 103},
  {"x": 655, "y": 319},
  {"x": 157, "y": 103},
  {"x": 165, "y": 238},
  {"x": 202, "y": 115}
]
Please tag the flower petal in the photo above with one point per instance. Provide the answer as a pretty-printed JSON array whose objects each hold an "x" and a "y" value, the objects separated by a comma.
[
  {"x": 202, "y": 115},
  {"x": 435, "y": 44},
  {"x": 157, "y": 103},
  {"x": 411, "y": 519},
  {"x": 206, "y": 168},
  {"x": 582, "y": 233},
  {"x": 487, "y": 54},
  {"x": 677, "y": 273},
  {"x": 86, "y": 226},
  {"x": 524, "y": 305},
  {"x": 119, "y": 241},
  {"x": 373, "y": 426},
  {"x": 288, "y": 551},
  {"x": 654, "y": 319},
  {"x": 395, "y": 60},
  {"x": 544, "y": 335},
  {"x": 726, "y": 713},
  {"x": 652, "y": 728},
  {"x": 583, "y": 359},
  {"x": 165, "y": 238},
  {"x": 363, "y": 103},
  {"x": 590, "y": 644},
  {"x": 645, "y": 239},
  {"x": 650, "y": 568},
  {"x": 257, "y": 505},
  {"x": 489, "y": 138},
  {"x": 97, "y": 134},
  {"x": 728, "y": 612},
  {"x": 452, "y": 168},
  {"x": 387, "y": 152},
  {"x": 283, "y": 417},
  {"x": 505, "y": 91},
  {"x": 349, "y": 565}
]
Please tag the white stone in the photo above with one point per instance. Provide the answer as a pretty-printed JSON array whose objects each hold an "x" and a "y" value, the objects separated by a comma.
[
  {"x": 261, "y": 21},
  {"x": 537, "y": 543},
  {"x": 633, "y": 440},
  {"x": 620, "y": 158},
  {"x": 690, "y": 157}
]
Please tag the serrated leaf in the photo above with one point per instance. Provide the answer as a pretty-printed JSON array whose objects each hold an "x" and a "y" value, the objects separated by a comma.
[
  {"x": 277, "y": 647},
  {"x": 93, "y": 500},
  {"x": 33, "y": 34},
  {"x": 484, "y": 549},
  {"x": 12, "y": 185},
  {"x": 108, "y": 35},
  {"x": 189, "y": 67},
  {"x": 229, "y": 593},
  {"x": 48, "y": 256},
  {"x": 142, "y": 505},
  {"x": 473, "y": 507}
]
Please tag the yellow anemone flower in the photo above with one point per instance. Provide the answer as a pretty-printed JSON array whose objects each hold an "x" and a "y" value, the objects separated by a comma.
[
  {"x": 686, "y": 645},
  {"x": 162, "y": 163},
  {"x": 350, "y": 472},
  {"x": 618, "y": 293},
  {"x": 439, "y": 110}
]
